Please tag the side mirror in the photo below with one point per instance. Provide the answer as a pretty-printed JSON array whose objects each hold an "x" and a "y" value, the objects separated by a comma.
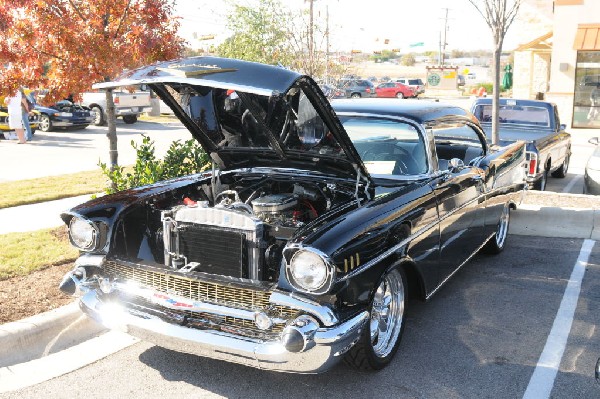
[
  {"x": 455, "y": 164},
  {"x": 563, "y": 126},
  {"x": 594, "y": 141}
]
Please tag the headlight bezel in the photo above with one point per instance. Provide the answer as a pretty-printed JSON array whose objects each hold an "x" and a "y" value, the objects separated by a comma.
[
  {"x": 87, "y": 245},
  {"x": 329, "y": 271}
]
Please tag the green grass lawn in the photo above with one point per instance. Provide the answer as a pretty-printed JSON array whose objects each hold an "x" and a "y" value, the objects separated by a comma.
[
  {"x": 23, "y": 192},
  {"x": 23, "y": 253}
]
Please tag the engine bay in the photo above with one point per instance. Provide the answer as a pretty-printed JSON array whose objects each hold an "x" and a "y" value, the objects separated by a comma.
[{"x": 231, "y": 226}]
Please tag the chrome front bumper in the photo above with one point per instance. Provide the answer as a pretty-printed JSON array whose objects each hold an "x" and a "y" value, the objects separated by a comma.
[{"x": 323, "y": 347}]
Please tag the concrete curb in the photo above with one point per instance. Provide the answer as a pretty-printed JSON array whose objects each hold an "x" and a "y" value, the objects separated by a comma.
[
  {"x": 541, "y": 214},
  {"x": 46, "y": 333}
]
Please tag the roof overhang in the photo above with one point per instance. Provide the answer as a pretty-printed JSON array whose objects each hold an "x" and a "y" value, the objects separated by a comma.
[{"x": 587, "y": 37}]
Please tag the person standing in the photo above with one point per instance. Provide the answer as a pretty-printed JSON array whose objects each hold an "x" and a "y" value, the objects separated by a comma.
[
  {"x": 26, "y": 110},
  {"x": 15, "y": 115}
]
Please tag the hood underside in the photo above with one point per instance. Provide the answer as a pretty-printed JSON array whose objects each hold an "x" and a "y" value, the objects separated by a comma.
[{"x": 247, "y": 115}]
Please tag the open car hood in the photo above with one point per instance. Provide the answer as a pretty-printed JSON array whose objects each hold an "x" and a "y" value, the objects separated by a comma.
[{"x": 246, "y": 114}]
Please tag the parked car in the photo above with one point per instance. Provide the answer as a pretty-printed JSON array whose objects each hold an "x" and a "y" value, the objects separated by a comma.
[
  {"x": 357, "y": 88},
  {"x": 127, "y": 105},
  {"x": 303, "y": 244},
  {"x": 64, "y": 114},
  {"x": 332, "y": 92},
  {"x": 5, "y": 130},
  {"x": 416, "y": 84},
  {"x": 460, "y": 80},
  {"x": 392, "y": 89},
  {"x": 538, "y": 124},
  {"x": 591, "y": 177}
]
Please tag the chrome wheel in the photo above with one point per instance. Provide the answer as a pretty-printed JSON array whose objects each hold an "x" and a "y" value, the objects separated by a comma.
[
  {"x": 399, "y": 95},
  {"x": 496, "y": 244},
  {"x": 45, "y": 123},
  {"x": 98, "y": 116},
  {"x": 502, "y": 231},
  {"x": 387, "y": 314}
]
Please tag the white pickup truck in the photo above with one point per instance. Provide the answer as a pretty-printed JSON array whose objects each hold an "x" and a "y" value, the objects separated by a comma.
[{"x": 127, "y": 105}]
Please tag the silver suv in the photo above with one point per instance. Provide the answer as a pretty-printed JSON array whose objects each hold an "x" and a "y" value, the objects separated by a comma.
[{"x": 416, "y": 84}]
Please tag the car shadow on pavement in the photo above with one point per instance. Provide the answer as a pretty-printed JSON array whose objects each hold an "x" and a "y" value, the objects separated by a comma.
[{"x": 480, "y": 336}]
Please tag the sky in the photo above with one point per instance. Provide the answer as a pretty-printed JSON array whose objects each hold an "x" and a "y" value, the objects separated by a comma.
[{"x": 365, "y": 25}]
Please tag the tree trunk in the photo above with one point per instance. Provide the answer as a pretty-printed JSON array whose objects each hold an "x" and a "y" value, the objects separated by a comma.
[
  {"x": 496, "y": 94},
  {"x": 112, "y": 130}
]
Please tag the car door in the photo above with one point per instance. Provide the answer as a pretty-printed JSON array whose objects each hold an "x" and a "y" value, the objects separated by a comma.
[{"x": 460, "y": 192}]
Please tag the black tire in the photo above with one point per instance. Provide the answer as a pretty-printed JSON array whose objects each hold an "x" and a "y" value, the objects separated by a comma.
[
  {"x": 497, "y": 243},
  {"x": 355, "y": 95},
  {"x": 562, "y": 171},
  {"x": 99, "y": 119},
  {"x": 399, "y": 95},
  {"x": 45, "y": 124},
  {"x": 387, "y": 310},
  {"x": 129, "y": 119},
  {"x": 540, "y": 185}
]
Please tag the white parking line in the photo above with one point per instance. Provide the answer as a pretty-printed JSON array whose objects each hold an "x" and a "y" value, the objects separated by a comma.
[
  {"x": 542, "y": 380},
  {"x": 569, "y": 186}
]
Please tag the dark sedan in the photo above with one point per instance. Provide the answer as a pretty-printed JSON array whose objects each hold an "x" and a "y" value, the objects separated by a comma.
[
  {"x": 302, "y": 244},
  {"x": 64, "y": 114}
]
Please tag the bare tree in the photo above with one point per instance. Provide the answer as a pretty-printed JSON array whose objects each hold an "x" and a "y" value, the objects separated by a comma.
[{"x": 499, "y": 15}]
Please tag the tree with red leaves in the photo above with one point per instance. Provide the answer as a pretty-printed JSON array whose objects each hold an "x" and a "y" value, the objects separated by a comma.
[{"x": 67, "y": 45}]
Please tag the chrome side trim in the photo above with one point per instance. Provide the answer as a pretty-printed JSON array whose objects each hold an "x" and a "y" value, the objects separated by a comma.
[{"x": 458, "y": 268}]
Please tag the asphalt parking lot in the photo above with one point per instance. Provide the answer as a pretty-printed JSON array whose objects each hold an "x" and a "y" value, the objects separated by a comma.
[{"x": 481, "y": 336}]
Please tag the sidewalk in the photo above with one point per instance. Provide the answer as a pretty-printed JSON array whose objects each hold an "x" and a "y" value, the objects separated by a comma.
[{"x": 37, "y": 216}]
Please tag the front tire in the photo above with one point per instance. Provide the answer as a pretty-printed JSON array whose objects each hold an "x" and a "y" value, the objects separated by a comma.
[
  {"x": 497, "y": 243},
  {"x": 45, "y": 124},
  {"x": 381, "y": 337},
  {"x": 355, "y": 95}
]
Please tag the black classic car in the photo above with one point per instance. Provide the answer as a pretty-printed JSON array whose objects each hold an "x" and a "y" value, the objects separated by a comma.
[
  {"x": 64, "y": 114},
  {"x": 304, "y": 242}
]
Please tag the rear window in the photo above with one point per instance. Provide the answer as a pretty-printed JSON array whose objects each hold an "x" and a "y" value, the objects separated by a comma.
[
  {"x": 515, "y": 114},
  {"x": 415, "y": 82}
]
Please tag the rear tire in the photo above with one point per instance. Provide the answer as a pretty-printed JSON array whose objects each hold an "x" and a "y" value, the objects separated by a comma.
[
  {"x": 129, "y": 119},
  {"x": 562, "y": 171},
  {"x": 399, "y": 95},
  {"x": 381, "y": 336},
  {"x": 497, "y": 243},
  {"x": 98, "y": 116},
  {"x": 540, "y": 185},
  {"x": 355, "y": 95}
]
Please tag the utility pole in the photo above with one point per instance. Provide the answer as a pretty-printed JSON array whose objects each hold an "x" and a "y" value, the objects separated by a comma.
[
  {"x": 327, "y": 43},
  {"x": 311, "y": 39},
  {"x": 443, "y": 44}
]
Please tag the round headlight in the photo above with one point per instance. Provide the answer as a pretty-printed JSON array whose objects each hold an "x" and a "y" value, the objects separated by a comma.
[
  {"x": 82, "y": 233},
  {"x": 308, "y": 270}
]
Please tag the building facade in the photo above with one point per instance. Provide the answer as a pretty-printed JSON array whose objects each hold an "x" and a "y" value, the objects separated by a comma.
[{"x": 575, "y": 63}]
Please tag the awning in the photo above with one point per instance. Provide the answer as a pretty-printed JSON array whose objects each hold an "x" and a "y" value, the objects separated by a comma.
[
  {"x": 587, "y": 37},
  {"x": 542, "y": 43}
]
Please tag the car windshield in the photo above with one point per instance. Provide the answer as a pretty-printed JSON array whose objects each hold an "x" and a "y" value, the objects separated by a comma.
[
  {"x": 515, "y": 114},
  {"x": 387, "y": 147}
]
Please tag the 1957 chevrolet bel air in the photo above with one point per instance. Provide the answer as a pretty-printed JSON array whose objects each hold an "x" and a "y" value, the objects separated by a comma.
[{"x": 314, "y": 227}]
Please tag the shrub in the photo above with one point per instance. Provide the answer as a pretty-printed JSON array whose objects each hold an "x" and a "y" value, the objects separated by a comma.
[{"x": 181, "y": 159}]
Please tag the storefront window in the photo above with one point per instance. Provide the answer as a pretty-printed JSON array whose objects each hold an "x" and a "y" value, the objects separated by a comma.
[{"x": 586, "y": 104}]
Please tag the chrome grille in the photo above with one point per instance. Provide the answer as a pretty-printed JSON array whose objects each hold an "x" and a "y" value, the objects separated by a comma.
[{"x": 214, "y": 293}]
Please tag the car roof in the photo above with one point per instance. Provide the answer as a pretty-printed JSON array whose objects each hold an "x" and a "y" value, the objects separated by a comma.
[{"x": 419, "y": 110}]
